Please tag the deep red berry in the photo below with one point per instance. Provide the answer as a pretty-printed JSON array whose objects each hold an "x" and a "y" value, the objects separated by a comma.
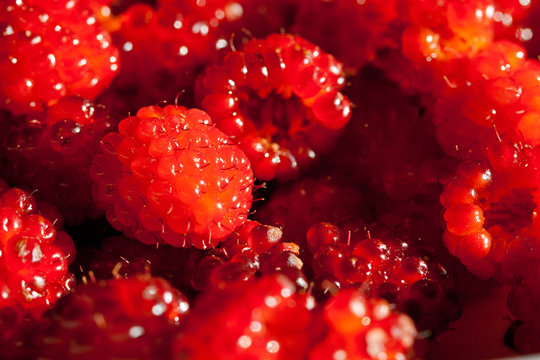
[
  {"x": 254, "y": 249},
  {"x": 392, "y": 268},
  {"x": 133, "y": 317},
  {"x": 50, "y": 152},
  {"x": 364, "y": 328},
  {"x": 52, "y": 49},
  {"x": 280, "y": 100},
  {"x": 34, "y": 256},
  {"x": 171, "y": 176},
  {"x": 489, "y": 98},
  {"x": 439, "y": 31},
  {"x": 254, "y": 320},
  {"x": 163, "y": 47},
  {"x": 491, "y": 219}
]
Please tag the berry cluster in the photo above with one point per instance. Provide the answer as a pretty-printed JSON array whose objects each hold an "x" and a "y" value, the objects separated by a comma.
[{"x": 265, "y": 179}]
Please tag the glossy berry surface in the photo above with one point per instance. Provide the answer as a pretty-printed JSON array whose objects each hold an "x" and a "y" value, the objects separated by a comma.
[
  {"x": 398, "y": 270},
  {"x": 171, "y": 176},
  {"x": 491, "y": 212},
  {"x": 360, "y": 327},
  {"x": 266, "y": 318},
  {"x": 280, "y": 99},
  {"x": 34, "y": 258},
  {"x": 52, "y": 49},
  {"x": 254, "y": 250},
  {"x": 361, "y": 180}
]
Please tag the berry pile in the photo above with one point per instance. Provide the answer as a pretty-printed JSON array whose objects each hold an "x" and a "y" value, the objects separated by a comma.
[{"x": 265, "y": 179}]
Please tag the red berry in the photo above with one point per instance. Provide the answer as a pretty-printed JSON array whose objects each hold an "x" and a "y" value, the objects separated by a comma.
[
  {"x": 357, "y": 254},
  {"x": 255, "y": 249},
  {"x": 279, "y": 99},
  {"x": 364, "y": 328},
  {"x": 34, "y": 259},
  {"x": 171, "y": 176},
  {"x": 491, "y": 212},
  {"x": 254, "y": 321},
  {"x": 52, "y": 49},
  {"x": 50, "y": 152},
  {"x": 133, "y": 317}
]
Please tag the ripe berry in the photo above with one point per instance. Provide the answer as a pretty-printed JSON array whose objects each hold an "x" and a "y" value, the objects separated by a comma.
[
  {"x": 392, "y": 268},
  {"x": 491, "y": 220},
  {"x": 164, "y": 47},
  {"x": 253, "y": 250},
  {"x": 133, "y": 317},
  {"x": 489, "y": 98},
  {"x": 364, "y": 328},
  {"x": 34, "y": 257},
  {"x": 439, "y": 31},
  {"x": 431, "y": 35},
  {"x": 50, "y": 152},
  {"x": 280, "y": 100},
  {"x": 52, "y": 49},
  {"x": 171, "y": 176},
  {"x": 254, "y": 319}
]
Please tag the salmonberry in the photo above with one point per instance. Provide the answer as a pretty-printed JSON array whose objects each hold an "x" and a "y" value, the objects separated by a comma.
[
  {"x": 397, "y": 270},
  {"x": 165, "y": 46},
  {"x": 51, "y": 49},
  {"x": 491, "y": 216},
  {"x": 253, "y": 250},
  {"x": 119, "y": 318},
  {"x": 364, "y": 328},
  {"x": 280, "y": 100},
  {"x": 50, "y": 152},
  {"x": 171, "y": 176},
  {"x": 489, "y": 98},
  {"x": 34, "y": 258},
  {"x": 255, "y": 321}
]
